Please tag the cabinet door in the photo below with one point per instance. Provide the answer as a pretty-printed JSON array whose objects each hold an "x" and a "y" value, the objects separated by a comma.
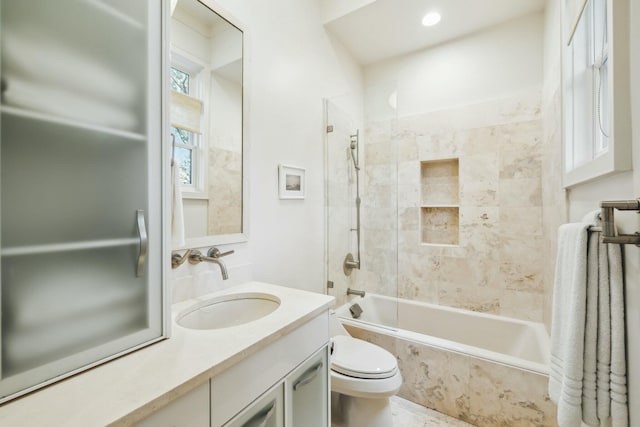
[
  {"x": 308, "y": 393},
  {"x": 266, "y": 411},
  {"x": 191, "y": 410},
  {"x": 80, "y": 188}
]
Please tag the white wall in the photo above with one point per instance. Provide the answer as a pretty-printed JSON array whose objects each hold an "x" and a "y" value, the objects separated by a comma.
[
  {"x": 485, "y": 65},
  {"x": 292, "y": 66}
]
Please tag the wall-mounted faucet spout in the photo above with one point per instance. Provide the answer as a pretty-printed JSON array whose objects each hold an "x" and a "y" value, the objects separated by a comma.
[
  {"x": 355, "y": 292},
  {"x": 213, "y": 255}
]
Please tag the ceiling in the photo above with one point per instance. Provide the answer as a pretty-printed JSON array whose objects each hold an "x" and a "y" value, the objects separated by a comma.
[{"x": 388, "y": 28}]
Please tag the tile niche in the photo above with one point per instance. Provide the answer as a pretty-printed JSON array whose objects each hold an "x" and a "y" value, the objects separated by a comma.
[{"x": 440, "y": 202}]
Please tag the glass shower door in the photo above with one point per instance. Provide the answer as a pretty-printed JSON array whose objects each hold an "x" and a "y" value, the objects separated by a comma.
[
  {"x": 371, "y": 151},
  {"x": 80, "y": 133}
]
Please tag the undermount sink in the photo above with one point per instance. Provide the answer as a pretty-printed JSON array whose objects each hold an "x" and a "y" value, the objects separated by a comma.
[{"x": 228, "y": 310}]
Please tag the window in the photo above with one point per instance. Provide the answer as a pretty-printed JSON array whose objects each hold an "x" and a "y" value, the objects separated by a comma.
[
  {"x": 189, "y": 150},
  {"x": 591, "y": 94},
  {"x": 185, "y": 149}
]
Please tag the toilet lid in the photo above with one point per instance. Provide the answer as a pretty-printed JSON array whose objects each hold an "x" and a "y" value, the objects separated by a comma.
[{"x": 360, "y": 359}]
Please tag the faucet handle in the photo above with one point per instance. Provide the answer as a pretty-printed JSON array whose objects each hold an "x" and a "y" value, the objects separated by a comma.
[
  {"x": 177, "y": 260},
  {"x": 215, "y": 253}
]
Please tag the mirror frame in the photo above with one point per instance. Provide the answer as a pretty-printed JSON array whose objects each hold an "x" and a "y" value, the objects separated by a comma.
[{"x": 243, "y": 236}]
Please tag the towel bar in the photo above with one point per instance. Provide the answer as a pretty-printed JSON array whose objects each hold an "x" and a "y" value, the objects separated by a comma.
[{"x": 609, "y": 224}]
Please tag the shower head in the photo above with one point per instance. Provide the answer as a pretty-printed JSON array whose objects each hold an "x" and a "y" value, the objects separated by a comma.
[{"x": 353, "y": 144}]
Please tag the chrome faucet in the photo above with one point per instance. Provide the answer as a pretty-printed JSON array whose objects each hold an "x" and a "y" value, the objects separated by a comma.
[{"x": 213, "y": 255}]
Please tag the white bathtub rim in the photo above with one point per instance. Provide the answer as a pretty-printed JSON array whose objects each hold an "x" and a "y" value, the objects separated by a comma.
[
  {"x": 455, "y": 347},
  {"x": 450, "y": 309}
]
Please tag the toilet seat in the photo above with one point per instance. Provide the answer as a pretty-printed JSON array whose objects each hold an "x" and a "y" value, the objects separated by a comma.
[{"x": 360, "y": 359}]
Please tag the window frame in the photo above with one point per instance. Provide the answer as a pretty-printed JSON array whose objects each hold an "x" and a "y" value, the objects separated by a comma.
[
  {"x": 616, "y": 157},
  {"x": 198, "y": 88}
]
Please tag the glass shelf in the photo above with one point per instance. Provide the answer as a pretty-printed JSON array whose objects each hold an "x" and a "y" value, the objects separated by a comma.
[{"x": 43, "y": 117}]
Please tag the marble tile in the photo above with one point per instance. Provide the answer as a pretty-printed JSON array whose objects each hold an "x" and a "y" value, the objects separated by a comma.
[
  {"x": 479, "y": 179},
  {"x": 518, "y": 221},
  {"x": 440, "y": 225},
  {"x": 434, "y": 378},
  {"x": 522, "y": 264},
  {"x": 408, "y": 195},
  {"x": 520, "y": 192},
  {"x": 479, "y": 231},
  {"x": 407, "y": 146},
  {"x": 409, "y": 172},
  {"x": 379, "y": 174},
  {"x": 516, "y": 397},
  {"x": 480, "y": 140},
  {"x": 508, "y": 163},
  {"x": 446, "y": 169},
  {"x": 417, "y": 288},
  {"x": 409, "y": 414},
  {"x": 480, "y": 392},
  {"x": 408, "y": 218},
  {"x": 522, "y": 305},
  {"x": 519, "y": 164},
  {"x": 441, "y": 193},
  {"x": 470, "y": 297},
  {"x": 378, "y": 153},
  {"x": 379, "y": 196}
]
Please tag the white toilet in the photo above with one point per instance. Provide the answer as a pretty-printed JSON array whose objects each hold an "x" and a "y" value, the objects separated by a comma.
[{"x": 363, "y": 378}]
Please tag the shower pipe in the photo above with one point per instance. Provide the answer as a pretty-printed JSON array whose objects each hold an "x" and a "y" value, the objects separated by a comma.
[{"x": 354, "y": 147}]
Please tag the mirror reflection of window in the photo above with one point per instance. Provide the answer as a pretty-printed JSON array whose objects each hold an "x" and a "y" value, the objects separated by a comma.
[
  {"x": 184, "y": 139},
  {"x": 186, "y": 125},
  {"x": 206, "y": 119}
]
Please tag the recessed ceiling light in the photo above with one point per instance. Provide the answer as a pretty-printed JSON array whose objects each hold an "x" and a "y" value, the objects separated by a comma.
[{"x": 430, "y": 19}]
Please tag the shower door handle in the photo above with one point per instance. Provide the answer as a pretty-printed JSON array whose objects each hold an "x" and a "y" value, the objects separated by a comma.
[{"x": 144, "y": 242}]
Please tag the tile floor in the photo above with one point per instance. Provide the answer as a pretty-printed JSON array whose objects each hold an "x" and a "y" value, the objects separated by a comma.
[{"x": 409, "y": 414}]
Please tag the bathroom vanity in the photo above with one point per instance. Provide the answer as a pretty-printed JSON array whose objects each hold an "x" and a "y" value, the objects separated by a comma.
[{"x": 272, "y": 368}]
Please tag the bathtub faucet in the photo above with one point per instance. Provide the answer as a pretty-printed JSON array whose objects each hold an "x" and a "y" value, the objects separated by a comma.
[{"x": 355, "y": 292}]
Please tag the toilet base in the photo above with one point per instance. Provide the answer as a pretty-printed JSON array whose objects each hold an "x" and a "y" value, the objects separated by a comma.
[{"x": 348, "y": 411}]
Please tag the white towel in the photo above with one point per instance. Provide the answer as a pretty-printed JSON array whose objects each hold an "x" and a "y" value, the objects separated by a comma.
[
  {"x": 598, "y": 393},
  {"x": 619, "y": 407},
  {"x": 568, "y": 324},
  {"x": 177, "y": 214}
]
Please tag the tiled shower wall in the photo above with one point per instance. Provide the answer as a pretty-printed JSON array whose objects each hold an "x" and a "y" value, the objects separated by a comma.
[{"x": 498, "y": 264}]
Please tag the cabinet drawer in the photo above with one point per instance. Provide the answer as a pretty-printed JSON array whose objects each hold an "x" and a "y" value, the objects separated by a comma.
[
  {"x": 307, "y": 393},
  {"x": 241, "y": 384},
  {"x": 266, "y": 411},
  {"x": 190, "y": 410}
]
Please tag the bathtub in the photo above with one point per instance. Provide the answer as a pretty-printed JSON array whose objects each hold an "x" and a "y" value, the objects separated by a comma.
[
  {"x": 481, "y": 368},
  {"x": 513, "y": 342}
]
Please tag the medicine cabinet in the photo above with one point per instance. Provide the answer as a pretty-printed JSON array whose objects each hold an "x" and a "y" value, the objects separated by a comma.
[
  {"x": 81, "y": 131},
  {"x": 596, "y": 113}
]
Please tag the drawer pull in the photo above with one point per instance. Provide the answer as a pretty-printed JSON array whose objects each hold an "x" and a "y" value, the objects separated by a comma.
[
  {"x": 308, "y": 376},
  {"x": 261, "y": 418}
]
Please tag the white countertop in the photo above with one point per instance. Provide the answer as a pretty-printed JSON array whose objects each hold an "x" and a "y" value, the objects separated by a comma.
[{"x": 125, "y": 390}]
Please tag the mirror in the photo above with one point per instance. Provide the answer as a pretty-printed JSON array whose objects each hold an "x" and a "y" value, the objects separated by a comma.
[{"x": 206, "y": 116}]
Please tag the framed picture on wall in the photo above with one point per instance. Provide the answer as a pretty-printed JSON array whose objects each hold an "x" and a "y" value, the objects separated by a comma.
[{"x": 291, "y": 182}]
